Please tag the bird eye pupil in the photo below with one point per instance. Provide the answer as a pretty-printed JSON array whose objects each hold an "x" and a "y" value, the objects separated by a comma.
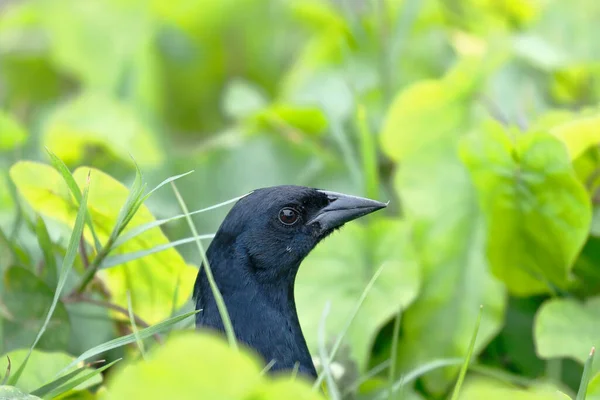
[{"x": 288, "y": 216}]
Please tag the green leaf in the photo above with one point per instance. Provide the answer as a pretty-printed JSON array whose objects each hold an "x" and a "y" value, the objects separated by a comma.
[
  {"x": 429, "y": 111},
  {"x": 12, "y": 393},
  {"x": 340, "y": 268},
  {"x": 212, "y": 377},
  {"x": 77, "y": 125},
  {"x": 449, "y": 239},
  {"x": 593, "y": 390},
  {"x": 481, "y": 388},
  {"x": 43, "y": 367},
  {"x": 152, "y": 278},
  {"x": 26, "y": 299},
  {"x": 537, "y": 212},
  {"x": 242, "y": 99},
  {"x": 578, "y": 134},
  {"x": 306, "y": 119},
  {"x": 568, "y": 328},
  {"x": 12, "y": 133}
]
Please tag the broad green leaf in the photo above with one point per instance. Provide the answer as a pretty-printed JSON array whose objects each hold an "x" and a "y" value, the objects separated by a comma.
[
  {"x": 593, "y": 392},
  {"x": 306, "y": 119},
  {"x": 537, "y": 212},
  {"x": 490, "y": 390},
  {"x": 77, "y": 125},
  {"x": 282, "y": 388},
  {"x": 241, "y": 99},
  {"x": 86, "y": 41},
  {"x": 43, "y": 367},
  {"x": 91, "y": 326},
  {"x": 339, "y": 269},
  {"x": 12, "y": 134},
  {"x": 421, "y": 115},
  {"x": 429, "y": 111},
  {"x": 13, "y": 393},
  {"x": 26, "y": 299},
  {"x": 172, "y": 371},
  {"x": 568, "y": 328},
  {"x": 151, "y": 279},
  {"x": 439, "y": 200},
  {"x": 579, "y": 134}
]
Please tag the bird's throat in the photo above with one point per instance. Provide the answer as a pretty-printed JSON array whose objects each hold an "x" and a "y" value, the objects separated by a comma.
[{"x": 263, "y": 315}]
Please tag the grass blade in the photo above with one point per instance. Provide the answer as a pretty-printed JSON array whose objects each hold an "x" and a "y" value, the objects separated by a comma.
[
  {"x": 134, "y": 328},
  {"x": 332, "y": 390},
  {"x": 128, "y": 210},
  {"x": 213, "y": 285},
  {"x": 340, "y": 337},
  {"x": 128, "y": 339},
  {"x": 76, "y": 382},
  {"x": 62, "y": 169},
  {"x": 463, "y": 369},
  {"x": 50, "y": 386},
  {"x": 368, "y": 151},
  {"x": 119, "y": 259},
  {"x": 420, "y": 371},
  {"x": 586, "y": 376},
  {"x": 138, "y": 230},
  {"x": 163, "y": 183},
  {"x": 68, "y": 261},
  {"x": 365, "y": 377},
  {"x": 7, "y": 373},
  {"x": 47, "y": 251},
  {"x": 394, "y": 351},
  {"x": 125, "y": 214}
]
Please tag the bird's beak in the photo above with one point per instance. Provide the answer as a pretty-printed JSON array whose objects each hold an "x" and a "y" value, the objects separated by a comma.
[{"x": 343, "y": 208}]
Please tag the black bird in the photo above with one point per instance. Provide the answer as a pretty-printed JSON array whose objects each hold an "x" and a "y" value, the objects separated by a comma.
[{"x": 254, "y": 258}]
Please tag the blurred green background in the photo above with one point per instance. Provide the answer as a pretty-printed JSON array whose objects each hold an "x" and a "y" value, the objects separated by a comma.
[{"x": 477, "y": 119}]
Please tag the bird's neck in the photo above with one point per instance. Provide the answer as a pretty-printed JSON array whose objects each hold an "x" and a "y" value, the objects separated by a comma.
[{"x": 263, "y": 312}]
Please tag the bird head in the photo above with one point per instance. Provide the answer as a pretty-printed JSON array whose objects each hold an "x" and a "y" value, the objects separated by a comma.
[{"x": 280, "y": 225}]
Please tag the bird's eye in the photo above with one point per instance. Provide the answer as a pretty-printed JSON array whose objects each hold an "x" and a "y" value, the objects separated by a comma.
[{"x": 288, "y": 216}]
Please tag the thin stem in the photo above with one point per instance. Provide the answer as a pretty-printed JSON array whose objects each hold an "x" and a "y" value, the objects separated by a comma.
[{"x": 213, "y": 285}]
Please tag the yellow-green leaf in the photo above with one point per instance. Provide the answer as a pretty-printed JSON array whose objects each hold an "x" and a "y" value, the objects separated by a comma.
[
  {"x": 568, "y": 328},
  {"x": 12, "y": 133},
  {"x": 43, "y": 367},
  {"x": 339, "y": 269},
  {"x": 537, "y": 212},
  {"x": 204, "y": 365},
  {"x": 579, "y": 134},
  {"x": 97, "y": 120},
  {"x": 151, "y": 280}
]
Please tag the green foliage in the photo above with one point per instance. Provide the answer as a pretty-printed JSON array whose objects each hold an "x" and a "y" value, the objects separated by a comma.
[
  {"x": 567, "y": 328},
  {"x": 537, "y": 212},
  {"x": 477, "y": 119},
  {"x": 49, "y": 364},
  {"x": 25, "y": 300},
  {"x": 340, "y": 269},
  {"x": 214, "y": 377},
  {"x": 46, "y": 192}
]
